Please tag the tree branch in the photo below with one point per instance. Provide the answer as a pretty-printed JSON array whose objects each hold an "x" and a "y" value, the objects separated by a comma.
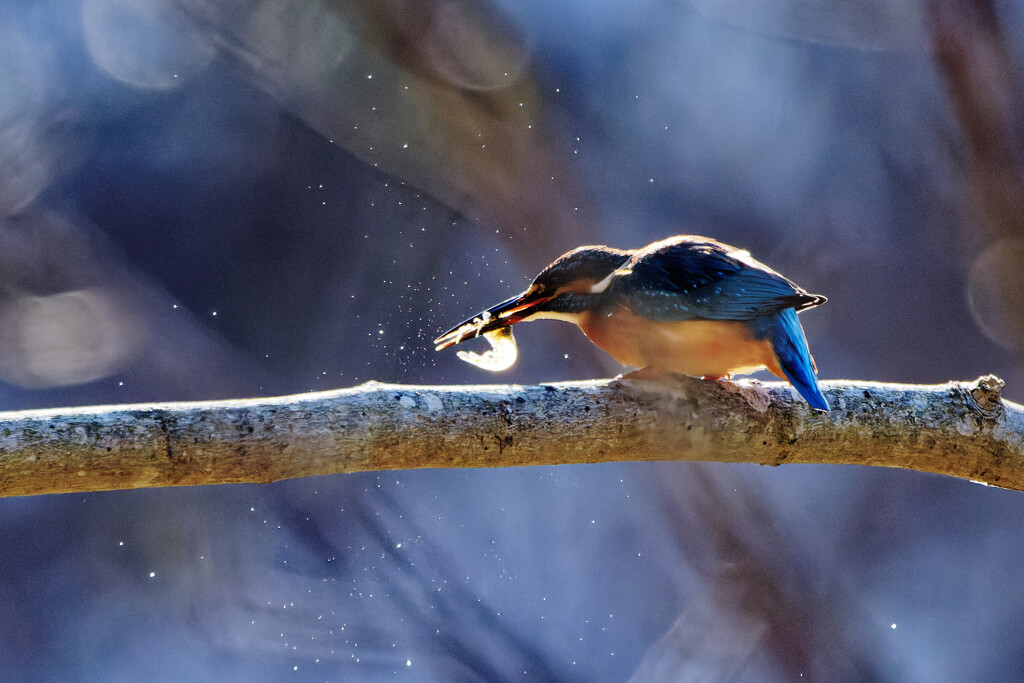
[{"x": 960, "y": 429}]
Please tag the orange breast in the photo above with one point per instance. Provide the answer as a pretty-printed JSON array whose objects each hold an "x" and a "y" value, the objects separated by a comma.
[{"x": 711, "y": 348}]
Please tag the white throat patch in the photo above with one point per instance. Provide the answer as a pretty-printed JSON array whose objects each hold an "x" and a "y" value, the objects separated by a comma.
[
  {"x": 573, "y": 318},
  {"x": 603, "y": 284}
]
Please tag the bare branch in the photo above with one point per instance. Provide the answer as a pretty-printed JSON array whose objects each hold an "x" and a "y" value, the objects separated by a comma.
[{"x": 960, "y": 429}]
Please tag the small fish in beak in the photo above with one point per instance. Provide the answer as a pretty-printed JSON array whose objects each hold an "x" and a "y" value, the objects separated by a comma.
[
  {"x": 503, "y": 315},
  {"x": 495, "y": 325},
  {"x": 501, "y": 356}
]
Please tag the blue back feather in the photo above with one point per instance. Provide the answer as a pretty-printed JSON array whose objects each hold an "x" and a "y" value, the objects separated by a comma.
[{"x": 690, "y": 277}]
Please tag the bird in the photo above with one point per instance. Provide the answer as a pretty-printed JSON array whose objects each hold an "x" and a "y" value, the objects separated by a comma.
[{"x": 685, "y": 304}]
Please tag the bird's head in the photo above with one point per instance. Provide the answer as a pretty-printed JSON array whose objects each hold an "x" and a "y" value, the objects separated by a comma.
[{"x": 563, "y": 289}]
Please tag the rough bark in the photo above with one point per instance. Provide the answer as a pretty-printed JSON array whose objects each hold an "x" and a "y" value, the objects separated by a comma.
[{"x": 959, "y": 429}]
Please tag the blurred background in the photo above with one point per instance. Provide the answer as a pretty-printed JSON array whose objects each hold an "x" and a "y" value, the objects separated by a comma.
[{"x": 231, "y": 198}]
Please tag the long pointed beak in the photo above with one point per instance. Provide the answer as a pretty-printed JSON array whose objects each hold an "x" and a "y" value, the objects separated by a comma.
[{"x": 506, "y": 313}]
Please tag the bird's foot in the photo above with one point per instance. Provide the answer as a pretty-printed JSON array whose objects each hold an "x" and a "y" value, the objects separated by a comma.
[
  {"x": 653, "y": 372},
  {"x": 649, "y": 372}
]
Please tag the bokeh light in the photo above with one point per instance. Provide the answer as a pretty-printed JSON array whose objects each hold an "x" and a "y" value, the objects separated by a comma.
[
  {"x": 996, "y": 293},
  {"x": 66, "y": 338},
  {"x": 145, "y": 43}
]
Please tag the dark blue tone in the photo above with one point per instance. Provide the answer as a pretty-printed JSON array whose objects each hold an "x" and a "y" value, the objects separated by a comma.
[{"x": 205, "y": 199}]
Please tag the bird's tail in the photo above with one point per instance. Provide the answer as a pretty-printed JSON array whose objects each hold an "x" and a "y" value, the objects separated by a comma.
[{"x": 787, "y": 337}]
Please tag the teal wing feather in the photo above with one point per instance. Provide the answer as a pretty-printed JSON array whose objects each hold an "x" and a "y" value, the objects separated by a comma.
[{"x": 693, "y": 277}]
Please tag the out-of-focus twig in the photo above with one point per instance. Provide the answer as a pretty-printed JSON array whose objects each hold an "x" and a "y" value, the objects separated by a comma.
[
  {"x": 960, "y": 429},
  {"x": 977, "y": 66}
]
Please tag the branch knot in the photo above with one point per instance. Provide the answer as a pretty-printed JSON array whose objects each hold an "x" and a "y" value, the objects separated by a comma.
[{"x": 985, "y": 396}]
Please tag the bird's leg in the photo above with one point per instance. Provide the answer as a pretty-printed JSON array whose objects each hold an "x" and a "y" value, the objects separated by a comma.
[
  {"x": 647, "y": 372},
  {"x": 654, "y": 372}
]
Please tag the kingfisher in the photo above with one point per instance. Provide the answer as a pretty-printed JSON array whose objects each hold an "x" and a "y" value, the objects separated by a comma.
[{"x": 686, "y": 304}]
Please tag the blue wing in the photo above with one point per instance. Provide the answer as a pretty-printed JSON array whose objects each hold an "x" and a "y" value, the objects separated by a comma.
[{"x": 688, "y": 277}]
